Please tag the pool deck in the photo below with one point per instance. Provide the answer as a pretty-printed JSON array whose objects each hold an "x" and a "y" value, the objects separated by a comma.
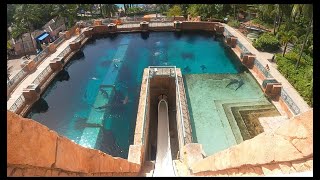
[
  {"x": 263, "y": 57},
  {"x": 31, "y": 77}
]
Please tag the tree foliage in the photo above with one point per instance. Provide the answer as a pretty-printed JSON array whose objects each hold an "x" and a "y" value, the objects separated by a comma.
[
  {"x": 267, "y": 42},
  {"x": 175, "y": 11}
]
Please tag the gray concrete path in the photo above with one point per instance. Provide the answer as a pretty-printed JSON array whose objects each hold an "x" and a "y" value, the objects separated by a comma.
[
  {"x": 31, "y": 77},
  {"x": 263, "y": 57}
]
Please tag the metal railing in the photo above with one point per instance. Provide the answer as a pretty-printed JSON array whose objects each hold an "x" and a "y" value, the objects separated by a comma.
[
  {"x": 42, "y": 55},
  {"x": 16, "y": 78},
  {"x": 170, "y": 71},
  {"x": 42, "y": 75},
  {"x": 58, "y": 41},
  {"x": 17, "y": 104},
  {"x": 64, "y": 52},
  {"x": 292, "y": 105}
]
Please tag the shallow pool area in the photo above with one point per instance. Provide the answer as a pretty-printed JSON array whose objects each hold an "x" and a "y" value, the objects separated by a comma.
[
  {"x": 212, "y": 99},
  {"x": 94, "y": 100}
]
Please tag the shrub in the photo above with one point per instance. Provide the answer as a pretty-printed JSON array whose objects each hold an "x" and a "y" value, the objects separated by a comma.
[
  {"x": 267, "y": 42},
  {"x": 300, "y": 79},
  {"x": 234, "y": 23}
]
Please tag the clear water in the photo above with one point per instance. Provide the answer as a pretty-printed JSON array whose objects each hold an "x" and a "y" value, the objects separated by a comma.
[
  {"x": 208, "y": 93},
  {"x": 70, "y": 104}
]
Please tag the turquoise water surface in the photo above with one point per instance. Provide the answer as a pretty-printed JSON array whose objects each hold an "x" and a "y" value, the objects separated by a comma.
[{"x": 94, "y": 100}]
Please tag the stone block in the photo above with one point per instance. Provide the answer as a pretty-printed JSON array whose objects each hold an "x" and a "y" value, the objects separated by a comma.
[
  {"x": 300, "y": 166},
  {"x": 121, "y": 165},
  {"x": 97, "y": 22},
  {"x": 9, "y": 170},
  {"x": 29, "y": 142},
  {"x": 29, "y": 172},
  {"x": 286, "y": 167},
  {"x": 68, "y": 151},
  {"x": 17, "y": 172},
  {"x": 52, "y": 48},
  {"x": 271, "y": 169},
  {"x": 107, "y": 163},
  {"x": 192, "y": 153}
]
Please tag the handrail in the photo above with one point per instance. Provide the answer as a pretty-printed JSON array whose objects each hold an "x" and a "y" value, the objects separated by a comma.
[
  {"x": 16, "y": 78},
  {"x": 17, "y": 104},
  {"x": 40, "y": 77},
  {"x": 41, "y": 56},
  {"x": 58, "y": 41},
  {"x": 64, "y": 52}
]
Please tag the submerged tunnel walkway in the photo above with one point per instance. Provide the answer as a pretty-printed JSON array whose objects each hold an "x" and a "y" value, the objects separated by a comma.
[{"x": 164, "y": 163}]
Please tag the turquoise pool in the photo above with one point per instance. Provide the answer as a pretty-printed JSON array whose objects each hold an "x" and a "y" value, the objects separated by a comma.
[{"x": 94, "y": 100}]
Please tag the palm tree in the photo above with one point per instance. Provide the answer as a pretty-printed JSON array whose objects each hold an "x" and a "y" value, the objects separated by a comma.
[
  {"x": 18, "y": 30},
  {"x": 110, "y": 9},
  {"x": 307, "y": 11},
  {"x": 285, "y": 38},
  {"x": 27, "y": 15},
  {"x": 65, "y": 11}
]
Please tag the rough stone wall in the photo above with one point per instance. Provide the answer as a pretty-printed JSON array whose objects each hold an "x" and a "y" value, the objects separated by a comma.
[
  {"x": 197, "y": 26},
  {"x": 289, "y": 145},
  {"x": 35, "y": 150}
]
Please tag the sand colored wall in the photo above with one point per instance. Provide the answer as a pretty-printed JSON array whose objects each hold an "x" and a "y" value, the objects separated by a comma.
[
  {"x": 35, "y": 150},
  {"x": 197, "y": 26},
  {"x": 290, "y": 144}
]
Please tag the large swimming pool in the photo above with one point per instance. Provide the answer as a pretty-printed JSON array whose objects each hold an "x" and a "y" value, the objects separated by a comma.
[{"x": 94, "y": 100}]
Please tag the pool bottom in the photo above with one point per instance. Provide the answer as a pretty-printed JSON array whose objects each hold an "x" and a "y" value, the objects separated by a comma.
[{"x": 215, "y": 99}]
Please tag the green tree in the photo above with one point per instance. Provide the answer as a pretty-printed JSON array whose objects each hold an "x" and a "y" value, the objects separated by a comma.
[
  {"x": 307, "y": 11},
  {"x": 175, "y": 11},
  {"x": 285, "y": 38},
  {"x": 110, "y": 9},
  {"x": 27, "y": 15},
  {"x": 18, "y": 29}
]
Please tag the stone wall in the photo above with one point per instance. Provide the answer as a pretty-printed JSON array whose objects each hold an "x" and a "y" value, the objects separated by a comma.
[
  {"x": 35, "y": 150},
  {"x": 209, "y": 26},
  {"x": 290, "y": 144}
]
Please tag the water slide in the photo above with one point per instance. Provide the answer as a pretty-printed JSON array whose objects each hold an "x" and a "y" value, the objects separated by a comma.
[{"x": 164, "y": 164}]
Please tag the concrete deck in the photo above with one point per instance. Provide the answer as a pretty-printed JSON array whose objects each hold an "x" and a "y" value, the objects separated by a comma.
[
  {"x": 31, "y": 77},
  {"x": 263, "y": 57}
]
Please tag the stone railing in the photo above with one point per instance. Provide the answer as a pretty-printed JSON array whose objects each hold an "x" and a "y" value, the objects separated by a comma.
[
  {"x": 145, "y": 110},
  {"x": 58, "y": 41},
  {"x": 286, "y": 98},
  {"x": 160, "y": 24},
  {"x": 17, "y": 104},
  {"x": 35, "y": 150},
  {"x": 16, "y": 79},
  {"x": 125, "y": 26},
  {"x": 262, "y": 69},
  {"x": 292, "y": 105},
  {"x": 64, "y": 52},
  {"x": 42, "y": 75},
  {"x": 79, "y": 38},
  {"x": 42, "y": 55}
]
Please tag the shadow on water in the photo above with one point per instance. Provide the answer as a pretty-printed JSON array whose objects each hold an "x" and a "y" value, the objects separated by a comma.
[
  {"x": 78, "y": 55},
  {"x": 40, "y": 106},
  {"x": 145, "y": 35},
  {"x": 63, "y": 75},
  {"x": 177, "y": 34},
  {"x": 187, "y": 55},
  {"x": 194, "y": 133}
]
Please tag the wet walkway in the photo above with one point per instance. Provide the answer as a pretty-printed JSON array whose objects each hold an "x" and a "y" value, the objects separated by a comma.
[{"x": 263, "y": 57}]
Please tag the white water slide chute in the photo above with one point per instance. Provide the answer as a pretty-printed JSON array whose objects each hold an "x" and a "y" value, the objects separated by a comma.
[{"x": 164, "y": 163}]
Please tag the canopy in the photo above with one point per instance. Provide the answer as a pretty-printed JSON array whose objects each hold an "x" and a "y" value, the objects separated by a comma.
[{"x": 42, "y": 36}]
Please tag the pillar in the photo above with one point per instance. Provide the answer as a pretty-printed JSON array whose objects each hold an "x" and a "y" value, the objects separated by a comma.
[
  {"x": 144, "y": 25},
  {"x": 31, "y": 93}
]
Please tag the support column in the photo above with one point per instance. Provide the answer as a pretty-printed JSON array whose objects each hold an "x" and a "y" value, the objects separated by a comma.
[
  {"x": 31, "y": 93},
  {"x": 177, "y": 25},
  {"x": 144, "y": 26}
]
